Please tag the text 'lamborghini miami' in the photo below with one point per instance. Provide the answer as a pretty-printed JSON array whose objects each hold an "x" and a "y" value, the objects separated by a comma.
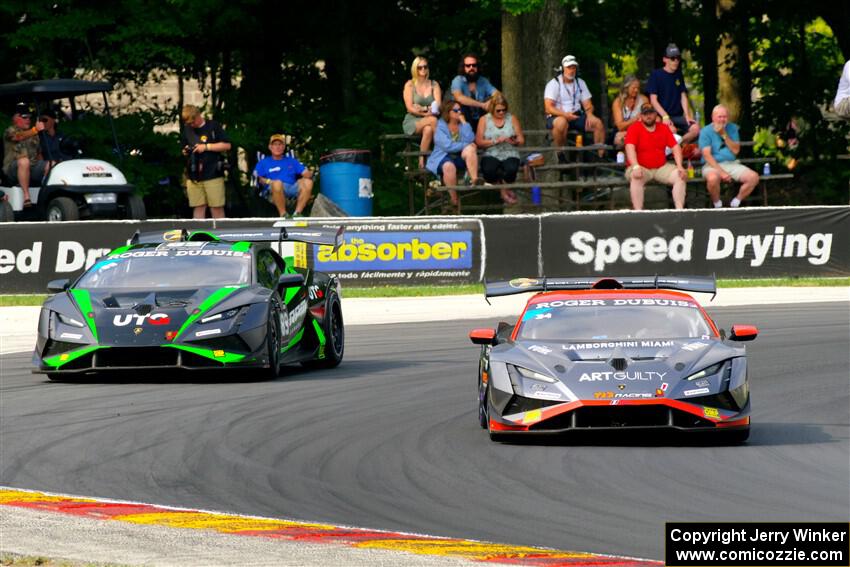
[
  {"x": 202, "y": 300},
  {"x": 612, "y": 354}
]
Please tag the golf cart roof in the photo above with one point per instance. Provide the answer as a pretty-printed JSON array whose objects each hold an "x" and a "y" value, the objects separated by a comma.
[{"x": 51, "y": 89}]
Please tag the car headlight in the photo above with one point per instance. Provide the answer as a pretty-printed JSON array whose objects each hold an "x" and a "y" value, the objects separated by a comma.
[
  {"x": 69, "y": 320},
  {"x": 535, "y": 375},
  {"x": 221, "y": 316},
  {"x": 708, "y": 371}
]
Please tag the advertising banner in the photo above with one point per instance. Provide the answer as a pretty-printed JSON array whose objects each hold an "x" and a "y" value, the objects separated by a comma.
[{"x": 731, "y": 243}]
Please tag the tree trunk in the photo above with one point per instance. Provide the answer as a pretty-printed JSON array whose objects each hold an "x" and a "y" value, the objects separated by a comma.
[
  {"x": 708, "y": 56},
  {"x": 728, "y": 58},
  {"x": 533, "y": 45},
  {"x": 745, "y": 75}
]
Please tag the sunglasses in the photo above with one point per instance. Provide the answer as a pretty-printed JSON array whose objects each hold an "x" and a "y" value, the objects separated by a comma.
[
  {"x": 500, "y": 110},
  {"x": 422, "y": 67},
  {"x": 674, "y": 58},
  {"x": 456, "y": 110},
  {"x": 470, "y": 65}
]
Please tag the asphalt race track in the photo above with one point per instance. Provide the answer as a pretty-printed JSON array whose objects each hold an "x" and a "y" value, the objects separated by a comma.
[{"x": 390, "y": 440}]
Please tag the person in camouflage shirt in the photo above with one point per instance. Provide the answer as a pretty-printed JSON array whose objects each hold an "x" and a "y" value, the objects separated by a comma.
[{"x": 22, "y": 160}]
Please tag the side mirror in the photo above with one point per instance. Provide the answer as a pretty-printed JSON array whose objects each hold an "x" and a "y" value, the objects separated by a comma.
[
  {"x": 482, "y": 336},
  {"x": 743, "y": 333},
  {"x": 57, "y": 286},
  {"x": 290, "y": 280}
]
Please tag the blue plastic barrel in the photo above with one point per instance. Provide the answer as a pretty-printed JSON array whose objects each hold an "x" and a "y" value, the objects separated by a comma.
[{"x": 346, "y": 179}]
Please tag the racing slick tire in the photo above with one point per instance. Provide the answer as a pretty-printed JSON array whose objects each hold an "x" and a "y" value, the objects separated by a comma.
[
  {"x": 62, "y": 209},
  {"x": 734, "y": 437},
  {"x": 334, "y": 334},
  {"x": 482, "y": 405},
  {"x": 134, "y": 208},
  {"x": 273, "y": 341},
  {"x": 495, "y": 436}
]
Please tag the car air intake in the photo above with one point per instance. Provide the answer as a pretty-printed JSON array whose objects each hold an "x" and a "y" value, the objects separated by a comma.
[{"x": 619, "y": 364}]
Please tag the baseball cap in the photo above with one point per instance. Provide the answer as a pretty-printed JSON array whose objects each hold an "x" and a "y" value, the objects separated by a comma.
[
  {"x": 647, "y": 108},
  {"x": 569, "y": 61},
  {"x": 277, "y": 138},
  {"x": 672, "y": 51},
  {"x": 22, "y": 109},
  {"x": 48, "y": 112}
]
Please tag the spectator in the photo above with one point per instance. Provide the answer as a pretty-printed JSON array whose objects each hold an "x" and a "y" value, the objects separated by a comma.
[
  {"x": 720, "y": 144},
  {"x": 204, "y": 141},
  {"x": 842, "y": 96},
  {"x": 645, "y": 143},
  {"x": 472, "y": 90},
  {"x": 498, "y": 135},
  {"x": 22, "y": 159},
  {"x": 567, "y": 102},
  {"x": 669, "y": 95},
  {"x": 420, "y": 96},
  {"x": 626, "y": 108},
  {"x": 454, "y": 148},
  {"x": 283, "y": 177},
  {"x": 51, "y": 139}
]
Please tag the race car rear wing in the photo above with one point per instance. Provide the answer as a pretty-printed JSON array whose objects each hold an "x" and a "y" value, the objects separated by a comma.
[
  {"x": 696, "y": 284},
  {"x": 280, "y": 232}
]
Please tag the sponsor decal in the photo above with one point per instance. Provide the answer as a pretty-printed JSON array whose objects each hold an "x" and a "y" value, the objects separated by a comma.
[
  {"x": 603, "y": 395},
  {"x": 540, "y": 349},
  {"x": 588, "y": 250},
  {"x": 522, "y": 283},
  {"x": 296, "y": 316},
  {"x": 696, "y": 391},
  {"x": 218, "y": 353},
  {"x": 659, "y": 393},
  {"x": 532, "y": 416},
  {"x": 546, "y": 395},
  {"x": 315, "y": 292},
  {"x": 723, "y": 244},
  {"x": 172, "y": 235},
  {"x": 631, "y": 376},
  {"x": 137, "y": 331},
  {"x": 633, "y": 395},
  {"x": 615, "y": 344},
  {"x": 152, "y": 318},
  {"x": 615, "y": 402},
  {"x": 612, "y": 303},
  {"x": 70, "y": 336},
  {"x": 694, "y": 346},
  {"x": 710, "y": 412},
  {"x": 664, "y": 386},
  {"x": 64, "y": 356},
  {"x": 398, "y": 251},
  {"x": 703, "y": 383},
  {"x": 208, "y": 332}
]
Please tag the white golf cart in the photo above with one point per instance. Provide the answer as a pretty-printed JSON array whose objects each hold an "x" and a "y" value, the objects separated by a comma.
[{"x": 77, "y": 188}]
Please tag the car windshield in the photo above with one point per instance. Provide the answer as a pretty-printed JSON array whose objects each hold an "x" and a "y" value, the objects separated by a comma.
[
  {"x": 613, "y": 319},
  {"x": 182, "y": 267}
]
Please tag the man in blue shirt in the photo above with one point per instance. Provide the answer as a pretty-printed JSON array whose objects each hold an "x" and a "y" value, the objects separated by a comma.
[
  {"x": 283, "y": 177},
  {"x": 720, "y": 144},
  {"x": 471, "y": 90},
  {"x": 669, "y": 96}
]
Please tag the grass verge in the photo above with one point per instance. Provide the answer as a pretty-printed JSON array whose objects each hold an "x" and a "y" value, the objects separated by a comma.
[{"x": 470, "y": 289}]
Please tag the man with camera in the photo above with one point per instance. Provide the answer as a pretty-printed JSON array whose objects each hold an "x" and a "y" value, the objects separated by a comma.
[
  {"x": 568, "y": 106},
  {"x": 204, "y": 142},
  {"x": 22, "y": 159}
]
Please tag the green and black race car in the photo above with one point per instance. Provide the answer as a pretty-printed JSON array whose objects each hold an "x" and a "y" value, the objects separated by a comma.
[{"x": 200, "y": 300}]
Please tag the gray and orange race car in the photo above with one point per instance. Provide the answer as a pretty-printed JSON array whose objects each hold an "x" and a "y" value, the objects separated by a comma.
[{"x": 632, "y": 353}]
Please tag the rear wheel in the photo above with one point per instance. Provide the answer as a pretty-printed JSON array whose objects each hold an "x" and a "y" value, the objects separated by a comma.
[
  {"x": 482, "y": 404},
  {"x": 7, "y": 213},
  {"x": 134, "y": 208},
  {"x": 334, "y": 332},
  {"x": 62, "y": 209}
]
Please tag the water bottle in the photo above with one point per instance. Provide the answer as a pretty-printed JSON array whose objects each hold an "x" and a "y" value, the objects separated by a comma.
[
  {"x": 535, "y": 195},
  {"x": 621, "y": 157},
  {"x": 579, "y": 141},
  {"x": 766, "y": 170},
  {"x": 691, "y": 171},
  {"x": 697, "y": 117}
]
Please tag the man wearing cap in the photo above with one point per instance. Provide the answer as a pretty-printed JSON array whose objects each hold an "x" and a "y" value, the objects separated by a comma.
[
  {"x": 720, "y": 144},
  {"x": 283, "y": 177},
  {"x": 22, "y": 161},
  {"x": 204, "y": 141},
  {"x": 51, "y": 139},
  {"x": 645, "y": 144},
  {"x": 669, "y": 95},
  {"x": 568, "y": 106}
]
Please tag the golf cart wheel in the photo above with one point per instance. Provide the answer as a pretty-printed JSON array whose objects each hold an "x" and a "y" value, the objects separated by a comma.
[
  {"x": 134, "y": 208},
  {"x": 7, "y": 213},
  {"x": 62, "y": 209}
]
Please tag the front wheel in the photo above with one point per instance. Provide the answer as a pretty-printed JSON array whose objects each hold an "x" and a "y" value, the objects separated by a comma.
[
  {"x": 273, "y": 341},
  {"x": 134, "y": 208},
  {"x": 62, "y": 209},
  {"x": 334, "y": 332}
]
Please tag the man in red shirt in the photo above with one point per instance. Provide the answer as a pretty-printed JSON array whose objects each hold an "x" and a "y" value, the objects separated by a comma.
[{"x": 645, "y": 145}]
